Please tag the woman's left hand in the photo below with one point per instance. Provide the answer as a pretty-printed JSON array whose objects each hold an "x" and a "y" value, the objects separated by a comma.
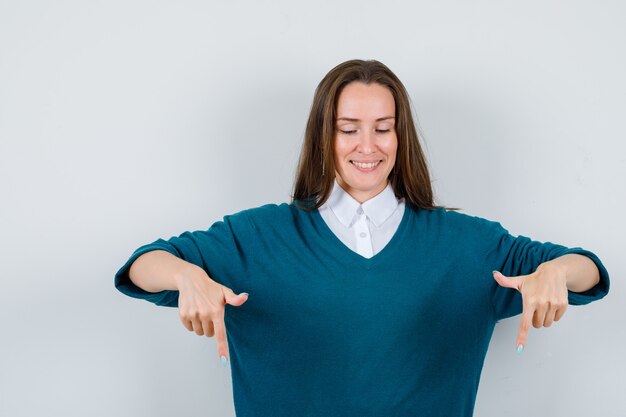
[{"x": 544, "y": 297}]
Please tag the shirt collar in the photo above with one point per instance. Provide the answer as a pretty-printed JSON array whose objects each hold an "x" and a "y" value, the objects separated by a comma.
[{"x": 377, "y": 208}]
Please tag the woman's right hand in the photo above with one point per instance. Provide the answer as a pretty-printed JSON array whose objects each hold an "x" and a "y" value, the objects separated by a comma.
[{"x": 201, "y": 306}]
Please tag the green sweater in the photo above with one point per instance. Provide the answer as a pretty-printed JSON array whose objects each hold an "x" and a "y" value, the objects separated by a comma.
[{"x": 327, "y": 332}]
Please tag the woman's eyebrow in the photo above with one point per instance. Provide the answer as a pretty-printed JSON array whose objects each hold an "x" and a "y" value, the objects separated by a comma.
[{"x": 350, "y": 119}]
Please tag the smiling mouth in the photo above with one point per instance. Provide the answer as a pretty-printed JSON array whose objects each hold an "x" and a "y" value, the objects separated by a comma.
[{"x": 366, "y": 165}]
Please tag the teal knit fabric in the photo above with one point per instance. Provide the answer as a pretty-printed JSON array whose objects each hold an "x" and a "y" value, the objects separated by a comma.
[{"x": 327, "y": 332}]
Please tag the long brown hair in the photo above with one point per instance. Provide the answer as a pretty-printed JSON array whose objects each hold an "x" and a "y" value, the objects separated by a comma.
[{"x": 315, "y": 176}]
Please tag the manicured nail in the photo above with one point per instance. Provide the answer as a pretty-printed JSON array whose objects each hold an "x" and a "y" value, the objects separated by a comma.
[
  {"x": 244, "y": 293},
  {"x": 493, "y": 272},
  {"x": 224, "y": 361},
  {"x": 520, "y": 348}
]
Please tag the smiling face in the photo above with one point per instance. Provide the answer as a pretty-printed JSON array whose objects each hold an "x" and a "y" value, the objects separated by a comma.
[{"x": 365, "y": 140}]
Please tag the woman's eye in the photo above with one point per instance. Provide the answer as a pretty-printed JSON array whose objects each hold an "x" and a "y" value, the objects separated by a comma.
[{"x": 350, "y": 132}]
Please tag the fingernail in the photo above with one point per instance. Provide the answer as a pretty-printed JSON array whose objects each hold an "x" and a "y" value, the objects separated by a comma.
[
  {"x": 244, "y": 293},
  {"x": 224, "y": 361},
  {"x": 494, "y": 271},
  {"x": 520, "y": 348}
]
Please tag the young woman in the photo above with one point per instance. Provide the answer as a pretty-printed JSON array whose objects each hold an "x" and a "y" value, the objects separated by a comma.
[{"x": 362, "y": 298}]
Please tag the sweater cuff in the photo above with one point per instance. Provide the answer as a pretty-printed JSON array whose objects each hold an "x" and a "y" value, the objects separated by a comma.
[
  {"x": 168, "y": 298},
  {"x": 596, "y": 292}
]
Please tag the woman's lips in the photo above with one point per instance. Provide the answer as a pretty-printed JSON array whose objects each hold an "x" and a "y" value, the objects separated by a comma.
[{"x": 365, "y": 166}]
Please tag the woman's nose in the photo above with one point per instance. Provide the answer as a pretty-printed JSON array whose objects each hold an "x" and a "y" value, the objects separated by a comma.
[{"x": 367, "y": 142}]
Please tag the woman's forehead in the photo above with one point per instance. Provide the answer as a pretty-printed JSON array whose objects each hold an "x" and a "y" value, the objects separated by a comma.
[{"x": 359, "y": 101}]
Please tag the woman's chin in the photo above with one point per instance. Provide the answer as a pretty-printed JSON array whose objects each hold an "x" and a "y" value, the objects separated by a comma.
[{"x": 367, "y": 186}]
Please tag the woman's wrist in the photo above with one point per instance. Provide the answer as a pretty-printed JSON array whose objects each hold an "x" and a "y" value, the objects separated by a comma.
[
  {"x": 186, "y": 274},
  {"x": 581, "y": 272}
]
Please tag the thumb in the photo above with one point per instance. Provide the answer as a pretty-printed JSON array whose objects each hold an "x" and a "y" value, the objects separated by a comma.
[
  {"x": 232, "y": 298},
  {"x": 508, "y": 282}
]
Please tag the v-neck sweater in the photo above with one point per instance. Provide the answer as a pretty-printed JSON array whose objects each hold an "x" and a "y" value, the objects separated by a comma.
[{"x": 328, "y": 332}]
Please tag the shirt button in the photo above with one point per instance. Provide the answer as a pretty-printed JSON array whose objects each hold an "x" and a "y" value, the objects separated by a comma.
[{"x": 363, "y": 234}]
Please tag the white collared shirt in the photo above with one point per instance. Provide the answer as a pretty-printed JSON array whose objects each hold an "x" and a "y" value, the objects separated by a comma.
[{"x": 365, "y": 228}]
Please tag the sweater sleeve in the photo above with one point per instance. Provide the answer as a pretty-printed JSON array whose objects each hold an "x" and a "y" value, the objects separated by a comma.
[
  {"x": 514, "y": 256},
  {"x": 221, "y": 251}
]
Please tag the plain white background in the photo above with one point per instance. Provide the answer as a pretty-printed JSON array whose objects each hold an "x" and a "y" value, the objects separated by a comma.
[{"x": 125, "y": 121}]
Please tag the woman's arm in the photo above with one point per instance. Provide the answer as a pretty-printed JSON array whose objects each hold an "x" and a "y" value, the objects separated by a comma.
[
  {"x": 159, "y": 270},
  {"x": 581, "y": 272},
  {"x": 201, "y": 302},
  {"x": 544, "y": 292}
]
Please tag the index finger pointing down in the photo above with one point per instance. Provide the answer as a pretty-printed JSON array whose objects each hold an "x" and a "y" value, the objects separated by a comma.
[{"x": 524, "y": 328}]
